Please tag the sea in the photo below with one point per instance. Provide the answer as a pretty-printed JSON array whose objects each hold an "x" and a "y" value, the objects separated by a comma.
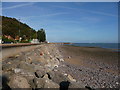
[{"x": 101, "y": 45}]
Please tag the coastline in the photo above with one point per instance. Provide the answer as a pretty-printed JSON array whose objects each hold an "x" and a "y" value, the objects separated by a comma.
[
  {"x": 109, "y": 46},
  {"x": 94, "y": 53},
  {"x": 81, "y": 67}
]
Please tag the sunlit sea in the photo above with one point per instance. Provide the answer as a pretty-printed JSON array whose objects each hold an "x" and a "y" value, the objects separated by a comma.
[{"x": 102, "y": 45}]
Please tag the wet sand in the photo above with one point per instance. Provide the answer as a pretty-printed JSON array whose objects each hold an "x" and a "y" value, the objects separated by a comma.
[{"x": 78, "y": 55}]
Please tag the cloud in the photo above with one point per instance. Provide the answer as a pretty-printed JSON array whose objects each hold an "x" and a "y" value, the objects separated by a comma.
[
  {"x": 89, "y": 11},
  {"x": 46, "y": 15},
  {"x": 19, "y": 5},
  {"x": 54, "y": 14},
  {"x": 101, "y": 13}
]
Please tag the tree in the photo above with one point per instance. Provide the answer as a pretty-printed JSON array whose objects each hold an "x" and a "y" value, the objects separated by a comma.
[{"x": 41, "y": 35}]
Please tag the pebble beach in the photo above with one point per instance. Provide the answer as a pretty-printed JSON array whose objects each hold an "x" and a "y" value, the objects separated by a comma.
[{"x": 60, "y": 66}]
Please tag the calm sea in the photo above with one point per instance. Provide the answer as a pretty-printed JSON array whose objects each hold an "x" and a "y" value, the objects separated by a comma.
[{"x": 102, "y": 45}]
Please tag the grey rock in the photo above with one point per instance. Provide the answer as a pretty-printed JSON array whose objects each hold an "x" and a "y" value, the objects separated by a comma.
[
  {"x": 71, "y": 78},
  {"x": 26, "y": 66},
  {"x": 17, "y": 81},
  {"x": 40, "y": 73},
  {"x": 39, "y": 82},
  {"x": 25, "y": 73},
  {"x": 76, "y": 85},
  {"x": 50, "y": 84},
  {"x": 57, "y": 76},
  {"x": 45, "y": 82}
]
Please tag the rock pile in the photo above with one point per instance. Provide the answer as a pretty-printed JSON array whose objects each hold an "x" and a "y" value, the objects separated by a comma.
[{"x": 36, "y": 69}]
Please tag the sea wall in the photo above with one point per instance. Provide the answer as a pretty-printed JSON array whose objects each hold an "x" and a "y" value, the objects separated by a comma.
[{"x": 36, "y": 69}]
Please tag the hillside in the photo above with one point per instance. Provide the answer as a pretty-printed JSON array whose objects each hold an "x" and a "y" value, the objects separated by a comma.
[{"x": 11, "y": 26}]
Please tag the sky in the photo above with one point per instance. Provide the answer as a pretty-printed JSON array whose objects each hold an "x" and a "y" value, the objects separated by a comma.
[{"x": 80, "y": 22}]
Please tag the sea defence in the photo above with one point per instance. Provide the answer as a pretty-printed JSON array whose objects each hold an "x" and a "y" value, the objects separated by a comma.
[{"x": 59, "y": 66}]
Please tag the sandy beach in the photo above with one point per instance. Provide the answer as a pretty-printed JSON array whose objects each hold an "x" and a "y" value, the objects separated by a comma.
[{"x": 80, "y": 55}]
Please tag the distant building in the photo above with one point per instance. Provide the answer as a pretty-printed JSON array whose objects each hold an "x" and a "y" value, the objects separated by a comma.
[
  {"x": 34, "y": 41},
  {"x": 17, "y": 38},
  {"x": 9, "y": 37}
]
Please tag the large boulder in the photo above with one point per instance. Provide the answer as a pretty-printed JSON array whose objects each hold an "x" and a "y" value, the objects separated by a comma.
[
  {"x": 40, "y": 73},
  {"x": 39, "y": 82},
  {"x": 17, "y": 81},
  {"x": 26, "y": 66},
  {"x": 29, "y": 75},
  {"x": 57, "y": 76},
  {"x": 45, "y": 82},
  {"x": 71, "y": 78},
  {"x": 49, "y": 83}
]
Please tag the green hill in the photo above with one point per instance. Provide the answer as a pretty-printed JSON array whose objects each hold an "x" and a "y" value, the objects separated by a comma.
[{"x": 11, "y": 26}]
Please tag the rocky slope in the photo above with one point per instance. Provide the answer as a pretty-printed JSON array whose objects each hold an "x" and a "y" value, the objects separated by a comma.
[{"x": 36, "y": 69}]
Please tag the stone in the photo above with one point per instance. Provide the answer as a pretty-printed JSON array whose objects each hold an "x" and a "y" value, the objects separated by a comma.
[
  {"x": 17, "y": 56},
  {"x": 71, "y": 78},
  {"x": 40, "y": 73},
  {"x": 69, "y": 57},
  {"x": 50, "y": 84},
  {"x": 45, "y": 82},
  {"x": 76, "y": 85},
  {"x": 9, "y": 62},
  {"x": 41, "y": 54},
  {"x": 29, "y": 59},
  {"x": 65, "y": 74},
  {"x": 57, "y": 77},
  {"x": 8, "y": 67},
  {"x": 17, "y": 81},
  {"x": 117, "y": 83},
  {"x": 17, "y": 70},
  {"x": 23, "y": 72},
  {"x": 46, "y": 76},
  {"x": 60, "y": 59},
  {"x": 26, "y": 66},
  {"x": 39, "y": 82}
]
